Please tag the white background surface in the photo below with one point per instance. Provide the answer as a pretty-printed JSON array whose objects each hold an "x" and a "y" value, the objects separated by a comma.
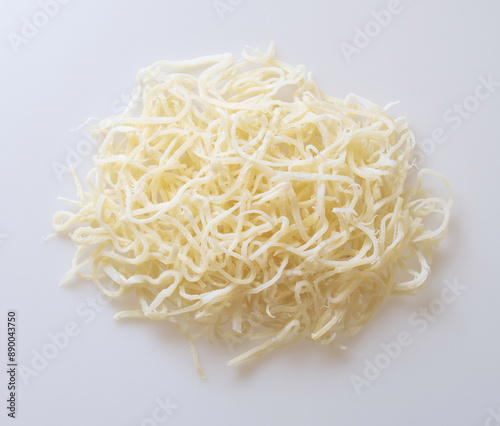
[{"x": 80, "y": 64}]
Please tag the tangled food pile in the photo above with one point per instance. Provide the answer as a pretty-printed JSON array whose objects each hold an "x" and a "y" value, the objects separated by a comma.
[{"x": 240, "y": 200}]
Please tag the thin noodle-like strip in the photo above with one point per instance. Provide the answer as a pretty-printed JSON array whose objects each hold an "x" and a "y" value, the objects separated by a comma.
[{"x": 235, "y": 212}]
